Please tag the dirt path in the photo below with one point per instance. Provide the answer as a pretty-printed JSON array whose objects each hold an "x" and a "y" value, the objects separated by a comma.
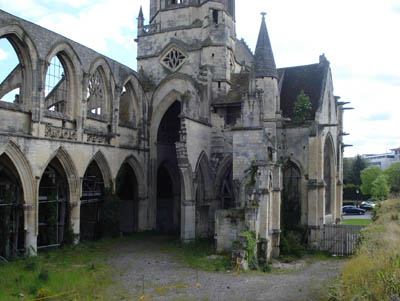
[{"x": 167, "y": 279}]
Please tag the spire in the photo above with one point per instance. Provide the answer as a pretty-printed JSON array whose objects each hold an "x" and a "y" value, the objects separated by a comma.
[
  {"x": 141, "y": 13},
  {"x": 264, "y": 63}
]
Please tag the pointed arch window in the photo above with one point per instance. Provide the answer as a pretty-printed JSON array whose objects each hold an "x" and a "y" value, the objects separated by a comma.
[
  {"x": 96, "y": 94},
  {"x": 128, "y": 109},
  {"x": 11, "y": 73},
  {"x": 56, "y": 87}
]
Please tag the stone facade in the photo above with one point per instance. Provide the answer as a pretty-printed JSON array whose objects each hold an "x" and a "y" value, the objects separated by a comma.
[{"x": 204, "y": 140}]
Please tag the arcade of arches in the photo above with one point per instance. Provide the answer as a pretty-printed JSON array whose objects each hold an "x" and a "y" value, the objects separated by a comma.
[{"x": 199, "y": 143}]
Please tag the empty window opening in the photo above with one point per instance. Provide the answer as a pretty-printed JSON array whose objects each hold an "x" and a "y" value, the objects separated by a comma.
[
  {"x": 215, "y": 16},
  {"x": 127, "y": 106},
  {"x": 96, "y": 96},
  {"x": 219, "y": 85},
  {"x": 12, "y": 234},
  {"x": 54, "y": 209},
  {"x": 10, "y": 73},
  {"x": 226, "y": 193},
  {"x": 56, "y": 86}
]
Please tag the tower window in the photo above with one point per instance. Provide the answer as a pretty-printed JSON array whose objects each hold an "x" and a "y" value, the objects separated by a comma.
[{"x": 215, "y": 16}]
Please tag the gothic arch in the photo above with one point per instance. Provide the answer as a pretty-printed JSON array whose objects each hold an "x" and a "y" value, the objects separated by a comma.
[
  {"x": 224, "y": 184},
  {"x": 12, "y": 150},
  {"x": 72, "y": 66},
  {"x": 27, "y": 55},
  {"x": 291, "y": 205},
  {"x": 329, "y": 174},
  {"x": 203, "y": 166},
  {"x": 104, "y": 168},
  {"x": 100, "y": 68},
  {"x": 70, "y": 171},
  {"x": 139, "y": 172}
]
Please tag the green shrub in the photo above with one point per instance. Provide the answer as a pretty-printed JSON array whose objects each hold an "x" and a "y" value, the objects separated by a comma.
[
  {"x": 291, "y": 244},
  {"x": 302, "y": 108}
]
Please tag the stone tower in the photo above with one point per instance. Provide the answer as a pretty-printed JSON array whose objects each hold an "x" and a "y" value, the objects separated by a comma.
[{"x": 192, "y": 37}]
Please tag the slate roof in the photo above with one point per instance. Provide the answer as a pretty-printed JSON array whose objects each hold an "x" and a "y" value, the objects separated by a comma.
[
  {"x": 264, "y": 63},
  {"x": 239, "y": 86},
  {"x": 310, "y": 78}
]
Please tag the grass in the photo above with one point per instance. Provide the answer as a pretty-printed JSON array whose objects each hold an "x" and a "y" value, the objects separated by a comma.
[
  {"x": 356, "y": 222},
  {"x": 374, "y": 273},
  {"x": 197, "y": 256},
  {"x": 78, "y": 271}
]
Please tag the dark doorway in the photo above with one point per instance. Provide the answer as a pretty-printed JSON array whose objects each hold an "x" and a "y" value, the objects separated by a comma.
[
  {"x": 127, "y": 191},
  {"x": 168, "y": 179},
  {"x": 54, "y": 211},
  {"x": 12, "y": 235},
  {"x": 291, "y": 202},
  {"x": 91, "y": 203}
]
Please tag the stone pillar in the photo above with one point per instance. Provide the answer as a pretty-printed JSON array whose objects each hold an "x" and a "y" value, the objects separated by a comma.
[
  {"x": 30, "y": 227},
  {"x": 143, "y": 224},
  {"x": 188, "y": 220},
  {"x": 188, "y": 204}
]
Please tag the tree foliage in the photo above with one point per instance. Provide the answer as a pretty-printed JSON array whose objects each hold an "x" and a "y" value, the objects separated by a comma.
[
  {"x": 302, "y": 108},
  {"x": 352, "y": 170},
  {"x": 380, "y": 188},
  {"x": 368, "y": 176},
  {"x": 393, "y": 176}
]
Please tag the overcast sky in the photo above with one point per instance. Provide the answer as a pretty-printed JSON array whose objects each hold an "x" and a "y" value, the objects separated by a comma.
[{"x": 359, "y": 37}]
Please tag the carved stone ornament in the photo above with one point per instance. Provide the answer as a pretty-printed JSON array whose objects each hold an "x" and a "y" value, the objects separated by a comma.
[{"x": 173, "y": 59}]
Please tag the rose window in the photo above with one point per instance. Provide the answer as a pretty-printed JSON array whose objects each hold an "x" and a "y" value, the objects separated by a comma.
[{"x": 174, "y": 59}]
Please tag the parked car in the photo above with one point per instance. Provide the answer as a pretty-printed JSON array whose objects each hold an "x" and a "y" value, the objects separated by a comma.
[
  {"x": 367, "y": 205},
  {"x": 352, "y": 210}
]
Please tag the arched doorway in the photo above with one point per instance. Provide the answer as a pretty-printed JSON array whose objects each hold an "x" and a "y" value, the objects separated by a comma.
[
  {"x": 12, "y": 236},
  {"x": 127, "y": 191},
  {"x": 291, "y": 201},
  {"x": 91, "y": 203},
  {"x": 54, "y": 211},
  {"x": 168, "y": 179}
]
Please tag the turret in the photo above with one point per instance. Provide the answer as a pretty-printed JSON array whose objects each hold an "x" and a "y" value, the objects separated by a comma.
[
  {"x": 265, "y": 72},
  {"x": 140, "y": 19}
]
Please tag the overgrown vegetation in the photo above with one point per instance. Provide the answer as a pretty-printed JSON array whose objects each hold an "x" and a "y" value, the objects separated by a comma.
[
  {"x": 302, "y": 108},
  {"x": 374, "y": 273},
  {"x": 200, "y": 255},
  {"x": 79, "y": 269},
  {"x": 292, "y": 245}
]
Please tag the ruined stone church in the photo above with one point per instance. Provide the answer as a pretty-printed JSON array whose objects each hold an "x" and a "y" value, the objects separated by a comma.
[{"x": 202, "y": 140}]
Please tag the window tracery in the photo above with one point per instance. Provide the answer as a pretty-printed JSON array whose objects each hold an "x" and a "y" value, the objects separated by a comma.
[
  {"x": 174, "y": 59},
  {"x": 96, "y": 94}
]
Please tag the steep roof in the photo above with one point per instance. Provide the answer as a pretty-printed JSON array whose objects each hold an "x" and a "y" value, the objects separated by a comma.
[
  {"x": 310, "y": 78},
  {"x": 264, "y": 63}
]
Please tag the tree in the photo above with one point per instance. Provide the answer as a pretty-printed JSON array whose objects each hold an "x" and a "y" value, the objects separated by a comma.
[
  {"x": 368, "y": 176},
  {"x": 358, "y": 165},
  {"x": 380, "y": 188},
  {"x": 347, "y": 170},
  {"x": 393, "y": 176},
  {"x": 302, "y": 108}
]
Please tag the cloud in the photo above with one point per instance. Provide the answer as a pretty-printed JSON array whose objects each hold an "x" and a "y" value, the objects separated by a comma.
[
  {"x": 3, "y": 55},
  {"x": 383, "y": 116},
  {"x": 389, "y": 79}
]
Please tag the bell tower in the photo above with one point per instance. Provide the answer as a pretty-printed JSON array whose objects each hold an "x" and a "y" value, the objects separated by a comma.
[{"x": 188, "y": 37}]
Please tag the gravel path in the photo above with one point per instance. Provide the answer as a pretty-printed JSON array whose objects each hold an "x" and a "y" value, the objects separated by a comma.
[{"x": 167, "y": 279}]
